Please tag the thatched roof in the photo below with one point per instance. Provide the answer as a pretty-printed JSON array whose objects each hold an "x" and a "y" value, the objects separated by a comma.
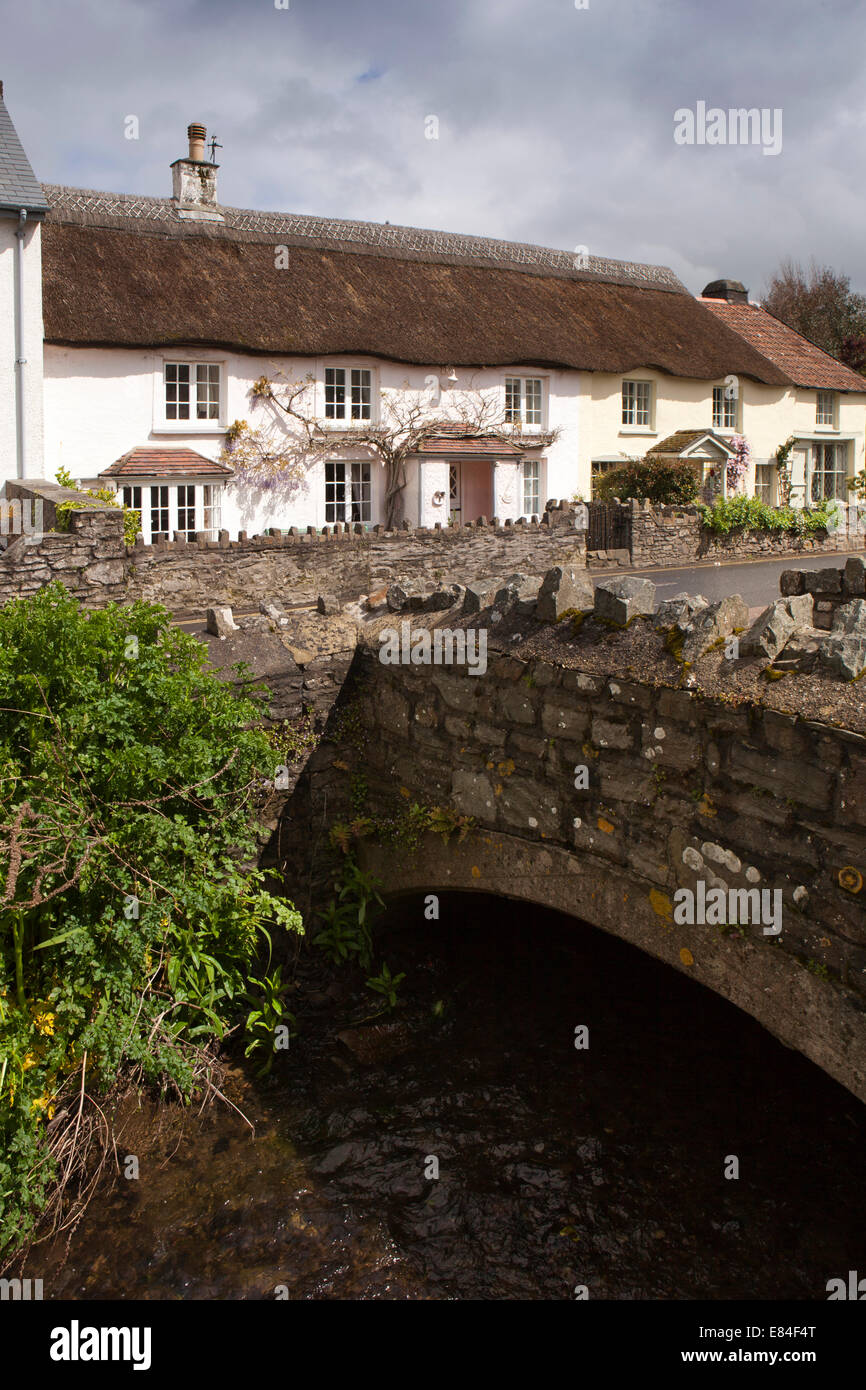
[{"x": 123, "y": 271}]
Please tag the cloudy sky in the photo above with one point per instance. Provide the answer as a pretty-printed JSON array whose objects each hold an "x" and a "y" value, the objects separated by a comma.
[{"x": 555, "y": 123}]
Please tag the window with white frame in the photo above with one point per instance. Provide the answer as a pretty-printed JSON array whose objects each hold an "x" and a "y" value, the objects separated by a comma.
[
  {"x": 637, "y": 403},
  {"x": 531, "y": 487},
  {"x": 186, "y": 510},
  {"x": 131, "y": 497},
  {"x": 165, "y": 508},
  {"x": 825, "y": 413},
  {"x": 348, "y": 393},
  {"x": 348, "y": 492},
  {"x": 524, "y": 400},
  {"x": 829, "y": 472},
  {"x": 211, "y": 497},
  {"x": 724, "y": 409},
  {"x": 159, "y": 520},
  {"x": 765, "y": 481},
  {"x": 192, "y": 391}
]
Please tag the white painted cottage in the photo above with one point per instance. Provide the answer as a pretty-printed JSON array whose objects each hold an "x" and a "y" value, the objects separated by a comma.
[{"x": 526, "y": 374}]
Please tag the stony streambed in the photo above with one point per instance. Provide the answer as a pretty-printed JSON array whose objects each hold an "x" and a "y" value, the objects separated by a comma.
[{"x": 557, "y": 1166}]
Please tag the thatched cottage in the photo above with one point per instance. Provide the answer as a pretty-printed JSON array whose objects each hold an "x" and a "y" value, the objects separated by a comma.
[{"x": 414, "y": 373}]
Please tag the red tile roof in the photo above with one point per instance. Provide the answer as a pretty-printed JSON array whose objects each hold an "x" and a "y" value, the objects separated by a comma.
[
  {"x": 164, "y": 463},
  {"x": 801, "y": 360},
  {"x": 473, "y": 445}
]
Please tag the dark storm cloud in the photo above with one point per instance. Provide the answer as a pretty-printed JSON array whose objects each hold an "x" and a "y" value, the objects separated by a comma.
[{"x": 555, "y": 123}]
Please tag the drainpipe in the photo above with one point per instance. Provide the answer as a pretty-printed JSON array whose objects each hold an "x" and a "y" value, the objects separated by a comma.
[{"x": 20, "y": 359}]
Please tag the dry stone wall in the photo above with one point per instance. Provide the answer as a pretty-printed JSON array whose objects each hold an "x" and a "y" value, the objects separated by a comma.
[
  {"x": 188, "y": 577},
  {"x": 674, "y": 536}
]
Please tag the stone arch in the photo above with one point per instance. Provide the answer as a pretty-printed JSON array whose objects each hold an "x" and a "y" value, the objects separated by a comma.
[{"x": 819, "y": 1018}]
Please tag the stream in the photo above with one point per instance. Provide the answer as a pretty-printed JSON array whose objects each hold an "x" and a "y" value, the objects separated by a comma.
[{"x": 557, "y": 1166}]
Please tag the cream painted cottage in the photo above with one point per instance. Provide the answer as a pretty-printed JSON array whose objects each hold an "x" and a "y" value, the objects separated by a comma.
[{"x": 417, "y": 374}]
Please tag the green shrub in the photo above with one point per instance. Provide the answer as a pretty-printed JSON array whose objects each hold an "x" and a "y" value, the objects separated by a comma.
[
  {"x": 650, "y": 479},
  {"x": 741, "y": 513},
  {"x": 130, "y": 927}
]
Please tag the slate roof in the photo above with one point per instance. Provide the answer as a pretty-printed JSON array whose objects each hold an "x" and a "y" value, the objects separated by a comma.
[
  {"x": 801, "y": 360},
  {"x": 158, "y": 462},
  {"x": 19, "y": 187}
]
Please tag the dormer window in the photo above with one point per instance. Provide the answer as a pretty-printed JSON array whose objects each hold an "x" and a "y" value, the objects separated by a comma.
[
  {"x": 192, "y": 391},
  {"x": 826, "y": 409}
]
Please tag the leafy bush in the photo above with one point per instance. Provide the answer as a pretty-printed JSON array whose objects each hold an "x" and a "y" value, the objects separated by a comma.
[
  {"x": 751, "y": 514},
  {"x": 129, "y": 924},
  {"x": 652, "y": 480}
]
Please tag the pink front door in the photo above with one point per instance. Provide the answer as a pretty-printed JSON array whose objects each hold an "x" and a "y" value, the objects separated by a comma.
[{"x": 474, "y": 489}]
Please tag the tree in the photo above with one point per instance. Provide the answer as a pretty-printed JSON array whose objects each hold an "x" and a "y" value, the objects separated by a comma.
[
  {"x": 292, "y": 439},
  {"x": 820, "y": 304}
]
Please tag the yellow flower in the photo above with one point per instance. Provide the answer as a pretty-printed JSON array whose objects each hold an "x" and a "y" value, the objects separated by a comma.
[
  {"x": 43, "y": 1103},
  {"x": 44, "y": 1023},
  {"x": 29, "y": 1061}
]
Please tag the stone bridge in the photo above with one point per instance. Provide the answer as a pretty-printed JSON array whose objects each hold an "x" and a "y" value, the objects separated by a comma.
[{"x": 604, "y": 798}]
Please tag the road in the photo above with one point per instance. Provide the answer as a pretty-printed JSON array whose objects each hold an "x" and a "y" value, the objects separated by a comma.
[{"x": 757, "y": 581}]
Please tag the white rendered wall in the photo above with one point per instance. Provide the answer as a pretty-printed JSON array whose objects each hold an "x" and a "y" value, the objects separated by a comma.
[
  {"x": 101, "y": 402},
  {"x": 31, "y": 346}
]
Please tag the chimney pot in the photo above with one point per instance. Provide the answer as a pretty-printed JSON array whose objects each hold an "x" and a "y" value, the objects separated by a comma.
[{"x": 196, "y": 135}]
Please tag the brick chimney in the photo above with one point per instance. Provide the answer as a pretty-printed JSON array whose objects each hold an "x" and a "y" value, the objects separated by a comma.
[
  {"x": 194, "y": 182},
  {"x": 731, "y": 290}
]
